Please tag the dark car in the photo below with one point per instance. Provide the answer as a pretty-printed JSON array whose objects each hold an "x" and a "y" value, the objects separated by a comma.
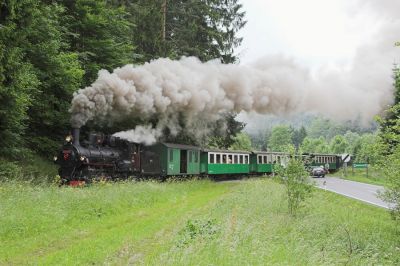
[{"x": 318, "y": 172}]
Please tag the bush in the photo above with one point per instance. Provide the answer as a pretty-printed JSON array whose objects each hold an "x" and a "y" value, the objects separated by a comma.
[
  {"x": 391, "y": 169},
  {"x": 9, "y": 171},
  {"x": 297, "y": 183}
]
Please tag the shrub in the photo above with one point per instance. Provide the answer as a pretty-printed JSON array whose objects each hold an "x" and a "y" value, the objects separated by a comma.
[
  {"x": 297, "y": 183},
  {"x": 9, "y": 171},
  {"x": 391, "y": 169}
]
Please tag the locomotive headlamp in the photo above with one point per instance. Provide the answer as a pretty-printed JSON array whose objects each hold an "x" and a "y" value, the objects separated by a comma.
[
  {"x": 55, "y": 158},
  {"x": 68, "y": 138},
  {"x": 82, "y": 158}
]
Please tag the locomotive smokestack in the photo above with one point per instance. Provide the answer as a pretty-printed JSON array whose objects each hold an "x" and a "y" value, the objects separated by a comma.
[{"x": 75, "y": 136}]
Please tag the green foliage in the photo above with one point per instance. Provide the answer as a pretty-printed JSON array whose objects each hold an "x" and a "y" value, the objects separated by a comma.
[
  {"x": 298, "y": 136},
  {"x": 370, "y": 149},
  {"x": 50, "y": 49},
  {"x": 338, "y": 144},
  {"x": 205, "y": 29},
  {"x": 101, "y": 34},
  {"x": 9, "y": 171},
  {"x": 241, "y": 142},
  {"x": 60, "y": 74},
  {"x": 197, "y": 229},
  {"x": 391, "y": 169},
  {"x": 224, "y": 131},
  {"x": 312, "y": 145},
  {"x": 353, "y": 140},
  {"x": 18, "y": 80},
  {"x": 389, "y": 140},
  {"x": 296, "y": 180},
  {"x": 280, "y": 139}
]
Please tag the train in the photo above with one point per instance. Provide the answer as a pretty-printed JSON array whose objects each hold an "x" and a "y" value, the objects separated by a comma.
[{"x": 113, "y": 158}]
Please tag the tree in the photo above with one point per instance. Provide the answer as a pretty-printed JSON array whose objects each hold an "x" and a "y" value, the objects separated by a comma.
[
  {"x": 338, "y": 145},
  {"x": 353, "y": 140},
  {"x": 296, "y": 181},
  {"x": 224, "y": 131},
  {"x": 60, "y": 74},
  {"x": 369, "y": 149},
  {"x": 101, "y": 34},
  {"x": 206, "y": 29},
  {"x": 312, "y": 145},
  {"x": 241, "y": 142},
  {"x": 258, "y": 141},
  {"x": 280, "y": 139},
  {"x": 298, "y": 136},
  {"x": 390, "y": 124},
  {"x": 18, "y": 80},
  {"x": 391, "y": 169}
]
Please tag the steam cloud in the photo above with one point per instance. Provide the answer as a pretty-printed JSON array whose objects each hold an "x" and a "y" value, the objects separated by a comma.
[{"x": 189, "y": 94}]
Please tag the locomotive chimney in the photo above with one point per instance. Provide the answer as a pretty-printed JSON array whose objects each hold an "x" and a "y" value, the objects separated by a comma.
[{"x": 75, "y": 136}]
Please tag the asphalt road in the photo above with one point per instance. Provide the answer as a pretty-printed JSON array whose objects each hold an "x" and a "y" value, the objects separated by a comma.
[{"x": 356, "y": 190}]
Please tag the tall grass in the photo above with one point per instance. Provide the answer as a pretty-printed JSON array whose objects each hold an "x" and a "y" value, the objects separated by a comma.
[
  {"x": 189, "y": 223},
  {"x": 252, "y": 227}
]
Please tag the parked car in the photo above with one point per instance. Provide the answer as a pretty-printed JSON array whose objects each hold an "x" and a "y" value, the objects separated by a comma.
[{"x": 318, "y": 172}]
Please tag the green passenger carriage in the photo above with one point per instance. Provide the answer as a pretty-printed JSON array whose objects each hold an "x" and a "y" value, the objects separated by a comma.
[
  {"x": 324, "y": 160},
  {"x": 220, "y": 162},
  {"x": 167, "y": 159}
]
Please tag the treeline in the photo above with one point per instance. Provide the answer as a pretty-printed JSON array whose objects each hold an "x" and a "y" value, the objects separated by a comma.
[
  {"x": 51, "y": 48},
  {"x": 320, "y": 136}
]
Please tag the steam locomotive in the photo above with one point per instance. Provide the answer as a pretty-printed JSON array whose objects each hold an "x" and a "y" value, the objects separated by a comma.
[{"x": 109, "y": 157}]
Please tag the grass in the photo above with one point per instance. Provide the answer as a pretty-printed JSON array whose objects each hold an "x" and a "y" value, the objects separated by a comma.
[
  {"x": 189, "y": 223},
  {"x": 375, "y": 177}
]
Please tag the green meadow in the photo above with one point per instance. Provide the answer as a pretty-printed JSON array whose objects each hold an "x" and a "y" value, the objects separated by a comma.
[{"x": 197, "y": 222}]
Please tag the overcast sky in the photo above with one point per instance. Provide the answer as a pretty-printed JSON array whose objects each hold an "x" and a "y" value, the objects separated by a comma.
[{"x": 314, "y": 32}]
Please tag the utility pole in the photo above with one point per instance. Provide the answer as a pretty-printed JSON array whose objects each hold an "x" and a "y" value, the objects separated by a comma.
[{"x": 163, "y": 22}]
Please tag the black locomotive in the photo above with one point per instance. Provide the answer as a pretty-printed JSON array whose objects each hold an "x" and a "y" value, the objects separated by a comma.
[{"x": 101, "y": 157}]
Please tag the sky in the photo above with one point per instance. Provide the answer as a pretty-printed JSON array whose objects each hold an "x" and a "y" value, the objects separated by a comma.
[
  {"x": 346, "y": 45},
  {"x": 314, "y": 32}
]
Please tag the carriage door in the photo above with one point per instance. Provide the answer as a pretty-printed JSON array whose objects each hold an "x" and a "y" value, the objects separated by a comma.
[{"x": 183, "y": 161}]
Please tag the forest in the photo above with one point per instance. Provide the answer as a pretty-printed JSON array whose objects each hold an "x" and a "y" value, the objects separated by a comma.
[{"x": 50, "y": 49}]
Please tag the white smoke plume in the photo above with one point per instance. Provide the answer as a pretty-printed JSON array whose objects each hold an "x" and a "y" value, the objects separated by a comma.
[
  {"x": 172, "y": 94},
  {"x": 141, "y": 134}
]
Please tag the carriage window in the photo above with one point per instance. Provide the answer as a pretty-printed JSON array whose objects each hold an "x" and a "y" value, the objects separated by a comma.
[
  {"x": 218, "y": 156},
  {"x": 269, "y": 159},
  {"x": 246, "y": 159},
  {"x": 190, "y": 156},
  {"x": 259, "y": 159},
  {"x": 196, "y": 156},
  {"x": 278, "y": 159},
  {"x": 230, "y": 159},
  {"x": 212, "y": 158},
  {"x": 265, "y": 158},
  {"x": 235, "y": 159},
  {"x": 171, "y": 155},
  {"x": 241, "y": 159},
  {"x": 223, "y": 158}
]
